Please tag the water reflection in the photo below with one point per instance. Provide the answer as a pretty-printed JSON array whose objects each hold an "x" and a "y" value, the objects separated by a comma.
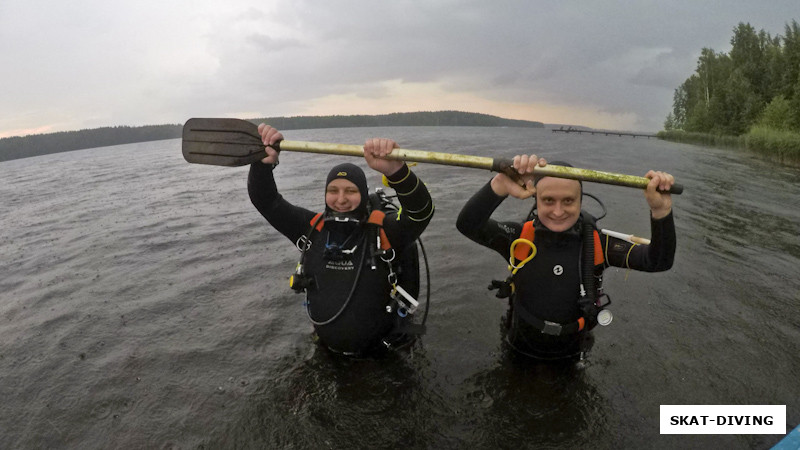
[
  {"x": 534, "y": 403},
  {"x": 324, "y": 400}
]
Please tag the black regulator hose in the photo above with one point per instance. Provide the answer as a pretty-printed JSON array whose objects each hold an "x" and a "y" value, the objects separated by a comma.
[{"x": 587, "y": 275}]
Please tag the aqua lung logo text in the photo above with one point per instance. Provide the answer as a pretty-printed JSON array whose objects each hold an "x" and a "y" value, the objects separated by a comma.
[{"x": 340, "y": 265}]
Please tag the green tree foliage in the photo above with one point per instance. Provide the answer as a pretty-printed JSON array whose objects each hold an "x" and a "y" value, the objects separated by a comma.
[
  {"x": 790, "y": 61},
  {"x": 669, "y": 122},
  {"x": 794, "y": 107},
  {"x": 729, "y": 93},
  {"x": 777, "y": 115}
]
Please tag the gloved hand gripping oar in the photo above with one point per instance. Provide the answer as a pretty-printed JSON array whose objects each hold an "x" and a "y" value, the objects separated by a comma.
[{"x": 236, "y": 142}]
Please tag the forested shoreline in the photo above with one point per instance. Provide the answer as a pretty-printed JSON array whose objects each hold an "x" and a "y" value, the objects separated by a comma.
[
  {"x": 64, "y": 141},
  {"x": 748, "y": 98},
  {"x": 43, "y": 144}
]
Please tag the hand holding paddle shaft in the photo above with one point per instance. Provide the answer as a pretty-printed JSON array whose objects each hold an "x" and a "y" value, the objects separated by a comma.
[
  {"x": 236, "y": 142},
  {"x": 270, "y": 137}
]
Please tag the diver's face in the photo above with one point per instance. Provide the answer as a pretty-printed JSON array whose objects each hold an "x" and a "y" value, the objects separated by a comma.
[
  {"x": 342, "y": 195},
  {"x": 558, "y": 202}
]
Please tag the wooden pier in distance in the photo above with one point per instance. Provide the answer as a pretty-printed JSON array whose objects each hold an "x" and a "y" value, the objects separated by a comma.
[{"x": 607, "y": 133}]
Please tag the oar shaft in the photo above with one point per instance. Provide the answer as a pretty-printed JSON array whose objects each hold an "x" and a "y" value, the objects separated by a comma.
[
  {"x": 476, "y": 162},
  {"x": 449, "y": 159},
  {"x": 575, "y": 173}
]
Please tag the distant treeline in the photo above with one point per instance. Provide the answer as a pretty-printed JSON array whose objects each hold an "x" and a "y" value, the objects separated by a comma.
[
  {"x": 425, "y": 118},
  {"x": 64, "y": 141},
  {"x": 43, "y": 144}
]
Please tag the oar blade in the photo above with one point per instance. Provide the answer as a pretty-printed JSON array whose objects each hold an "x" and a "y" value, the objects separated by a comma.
[{"x": 222, "y": 142}]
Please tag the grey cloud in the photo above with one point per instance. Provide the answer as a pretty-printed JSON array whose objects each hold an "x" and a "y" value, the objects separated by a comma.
[{"x": 620, "y": 58}]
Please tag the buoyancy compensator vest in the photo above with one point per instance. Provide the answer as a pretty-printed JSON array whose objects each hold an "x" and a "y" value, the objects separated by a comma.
[
  {"x": 591, "y": 298},
  {"x": 398, "y": 268}
]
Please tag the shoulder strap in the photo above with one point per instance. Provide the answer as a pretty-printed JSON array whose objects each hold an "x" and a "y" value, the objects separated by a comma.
[
  {"x": 376, "y": 218},
  {"x": 591, "y": 221},
  {"x": 316, "y": 222},
  {"x": 528, "y": 230},
  {"x": 599, "y": 259}
]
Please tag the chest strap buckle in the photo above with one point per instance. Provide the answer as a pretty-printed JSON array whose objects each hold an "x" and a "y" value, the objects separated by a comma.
[{"x": 551, "y": 328}]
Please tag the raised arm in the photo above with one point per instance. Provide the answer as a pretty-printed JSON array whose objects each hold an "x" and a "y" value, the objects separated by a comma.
[
  {"x": 475, "y": 222},
  {"x": 417, "y": 209},
  {"x": 290, "y": 220},
  {"x": 659, "y": 255}
]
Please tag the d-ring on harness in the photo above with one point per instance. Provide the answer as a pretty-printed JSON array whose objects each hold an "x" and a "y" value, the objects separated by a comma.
[
  {"x": 514, "y": 268},
  {"x": 506, "y": 288}
]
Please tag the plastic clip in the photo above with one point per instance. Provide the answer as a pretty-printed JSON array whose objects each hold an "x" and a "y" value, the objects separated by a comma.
[{"x": 409, "y": 303}]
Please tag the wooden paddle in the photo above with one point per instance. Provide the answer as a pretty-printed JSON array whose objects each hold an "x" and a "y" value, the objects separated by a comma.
[{"x": 236, "y": 142}]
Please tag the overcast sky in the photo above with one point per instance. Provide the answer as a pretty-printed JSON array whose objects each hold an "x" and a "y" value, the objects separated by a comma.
[{"x": 92, "y": 63}]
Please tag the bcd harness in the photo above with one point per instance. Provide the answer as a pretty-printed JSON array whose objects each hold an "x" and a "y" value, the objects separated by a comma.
[
  {"x": 402, "y": 302},
  {"x": 591, "y": 297}
]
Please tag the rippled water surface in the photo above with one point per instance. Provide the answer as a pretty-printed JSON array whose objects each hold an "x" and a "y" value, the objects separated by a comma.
[{"x": 144, "y": 304}]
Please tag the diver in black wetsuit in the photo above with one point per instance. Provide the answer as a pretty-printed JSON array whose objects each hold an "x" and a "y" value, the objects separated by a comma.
[
  {"x": 347, "y": 284},
  {"x": 556, "y": 295}
]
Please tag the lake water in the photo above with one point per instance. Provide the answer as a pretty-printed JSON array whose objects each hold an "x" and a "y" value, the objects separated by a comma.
[{"x": 144, "y": 303}]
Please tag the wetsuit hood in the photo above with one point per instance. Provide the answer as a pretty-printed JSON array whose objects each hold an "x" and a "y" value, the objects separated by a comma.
[{"x": 355, "y": 175}]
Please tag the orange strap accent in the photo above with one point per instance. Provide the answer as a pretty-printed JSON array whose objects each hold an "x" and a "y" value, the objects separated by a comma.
[
  {"x": 385, "y": 245},
  {"x": 528, "y": 230},
  {"x": 319, "y": 223},
  {"x": 598, "y": 250},
  {"x": 522, "y": 252},
  {"x": 581, "y": 323},
  {"x": 376, "y": 218}
]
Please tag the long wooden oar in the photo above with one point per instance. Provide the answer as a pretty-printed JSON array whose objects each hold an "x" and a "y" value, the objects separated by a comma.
[{"x": 236, "y": 142}]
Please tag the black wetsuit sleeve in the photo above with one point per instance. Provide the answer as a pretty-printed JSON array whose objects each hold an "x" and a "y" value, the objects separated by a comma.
[
  {"x": 475, "y": 222},
  {"x": 290, "y": 220},
  {"x": 405, "y": 226},
  {"x": 655, "y": 257}
]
